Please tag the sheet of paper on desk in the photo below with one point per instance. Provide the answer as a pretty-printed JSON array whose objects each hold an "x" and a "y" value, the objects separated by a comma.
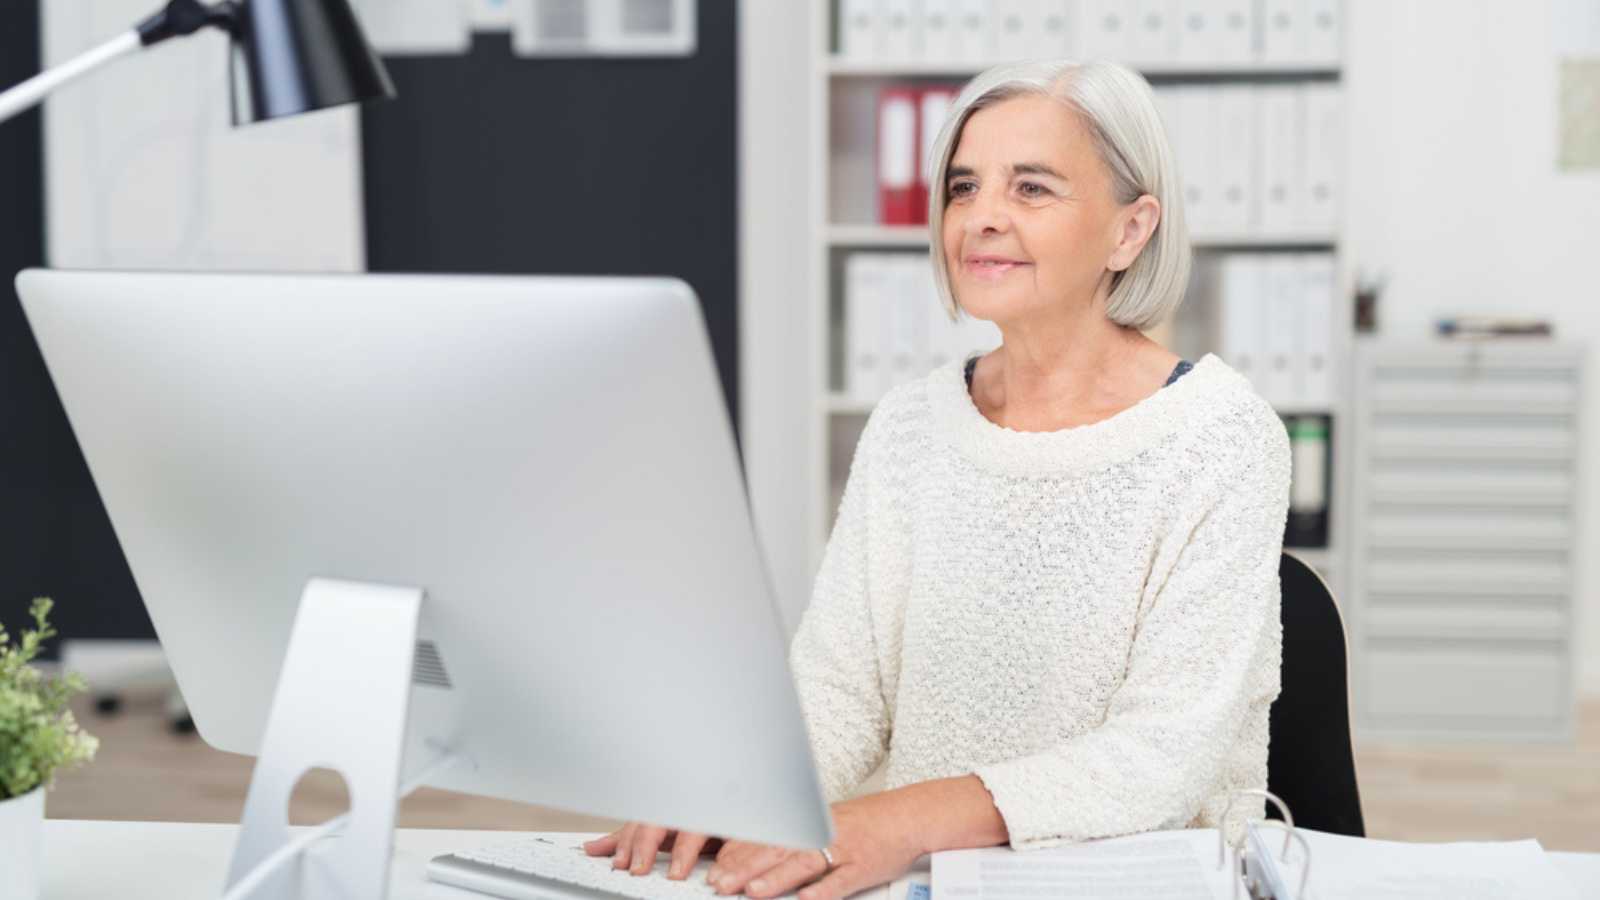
[
  {"x": 1165, "y": 865},
  {"x": 1346, "y": 868}
]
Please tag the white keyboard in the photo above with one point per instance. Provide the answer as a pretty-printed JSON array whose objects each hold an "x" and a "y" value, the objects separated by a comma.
[{"x": 539, "y": 869}]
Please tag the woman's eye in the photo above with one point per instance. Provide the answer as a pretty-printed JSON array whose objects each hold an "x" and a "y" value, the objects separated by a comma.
[
  {"x": 1032, "y": 189},
  {"x": 959, "y": 188}
]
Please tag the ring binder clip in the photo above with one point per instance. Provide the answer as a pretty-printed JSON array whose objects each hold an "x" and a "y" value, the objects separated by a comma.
[{"x": 1257, "y": 873}]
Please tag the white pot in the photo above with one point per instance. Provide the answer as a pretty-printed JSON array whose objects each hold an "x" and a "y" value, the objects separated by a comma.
[{"x": 21, "y": 825}]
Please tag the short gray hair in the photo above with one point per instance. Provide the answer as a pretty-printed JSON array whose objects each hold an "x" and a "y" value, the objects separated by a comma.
[{"x": 1119, "y": 110}]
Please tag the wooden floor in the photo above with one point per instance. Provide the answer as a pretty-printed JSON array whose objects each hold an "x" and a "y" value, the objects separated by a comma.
[{"x": 1413, "y": 793}]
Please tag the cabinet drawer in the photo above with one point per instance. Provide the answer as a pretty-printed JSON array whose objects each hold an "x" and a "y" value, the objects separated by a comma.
[{"x": 1414, "y": 685}]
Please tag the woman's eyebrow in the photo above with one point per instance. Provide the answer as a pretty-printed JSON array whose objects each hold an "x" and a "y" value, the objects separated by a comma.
[{"x": 1027, "y": 168}]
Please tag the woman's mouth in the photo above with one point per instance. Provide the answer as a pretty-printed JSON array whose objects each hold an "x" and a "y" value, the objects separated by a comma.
[{"x": 992, "y": 269}]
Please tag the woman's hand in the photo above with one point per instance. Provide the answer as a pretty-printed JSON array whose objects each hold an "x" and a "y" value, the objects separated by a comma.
[{"x": 634, "y": 847}]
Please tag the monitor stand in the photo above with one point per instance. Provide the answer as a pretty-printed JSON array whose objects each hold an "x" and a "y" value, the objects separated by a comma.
[{"x": 342, "y": 699}]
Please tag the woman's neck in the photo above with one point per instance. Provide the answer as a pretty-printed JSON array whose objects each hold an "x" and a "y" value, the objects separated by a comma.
[{"x": 1061, "y": 374}]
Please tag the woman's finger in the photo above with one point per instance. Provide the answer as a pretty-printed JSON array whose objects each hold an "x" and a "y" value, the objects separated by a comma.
[
  {"x": 619, "y": 860},
  {"x": 646, "y": 844},
  {"x": 736, "y": 866},
  {"x": 799, "y": 867},
  {"x": 841, "y": 882},
  {"x": 603, "y": 845},
  {"x": 686, "y": 849}
]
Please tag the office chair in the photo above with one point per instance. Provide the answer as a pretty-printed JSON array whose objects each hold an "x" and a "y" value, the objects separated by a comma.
[{"x": 1310, "y": 762}]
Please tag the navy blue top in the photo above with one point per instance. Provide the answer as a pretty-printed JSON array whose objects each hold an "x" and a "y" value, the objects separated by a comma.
[{"x": 1178, "y": 371}]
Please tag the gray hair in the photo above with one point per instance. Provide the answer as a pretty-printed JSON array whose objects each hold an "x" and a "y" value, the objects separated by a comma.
[{"x": 1119, "y": 110}]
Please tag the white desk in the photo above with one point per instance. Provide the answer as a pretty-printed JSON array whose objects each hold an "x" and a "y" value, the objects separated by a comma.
[{"x": 168, "y": 861}]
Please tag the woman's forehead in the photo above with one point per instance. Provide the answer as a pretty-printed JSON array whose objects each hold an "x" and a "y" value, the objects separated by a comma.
[{"x": 1028, "y": 128}]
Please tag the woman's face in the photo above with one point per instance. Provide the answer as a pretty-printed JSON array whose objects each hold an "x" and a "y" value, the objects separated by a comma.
[{"x": 1030, "y": 222}]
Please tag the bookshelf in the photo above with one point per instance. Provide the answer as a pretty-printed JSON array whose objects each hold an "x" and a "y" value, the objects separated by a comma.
[{"x": 843, "y": 221}]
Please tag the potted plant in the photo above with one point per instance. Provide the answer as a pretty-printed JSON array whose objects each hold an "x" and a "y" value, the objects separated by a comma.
[{"x": 38, "y": 737}]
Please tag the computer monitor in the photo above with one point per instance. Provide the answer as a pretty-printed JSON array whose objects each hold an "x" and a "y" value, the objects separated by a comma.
[{"x": 548, "y": 458}]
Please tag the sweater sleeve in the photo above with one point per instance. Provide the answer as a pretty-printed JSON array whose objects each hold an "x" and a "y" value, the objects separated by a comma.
[
  {"x": 834, "y": 655},
  {"x": 1201, "y": 676}
]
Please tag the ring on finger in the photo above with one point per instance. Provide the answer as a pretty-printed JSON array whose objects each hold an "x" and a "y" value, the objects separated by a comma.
[{"x": 827, "y": 859}]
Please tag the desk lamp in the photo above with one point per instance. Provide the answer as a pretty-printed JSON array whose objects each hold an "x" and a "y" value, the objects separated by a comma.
[{"x": 287, "y": 56}]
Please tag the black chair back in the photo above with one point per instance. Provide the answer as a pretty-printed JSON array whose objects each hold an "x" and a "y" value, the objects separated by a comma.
[{"x": 1310, "y": 762}]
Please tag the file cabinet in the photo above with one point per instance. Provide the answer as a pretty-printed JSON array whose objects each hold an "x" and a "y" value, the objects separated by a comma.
[{"x": 1464, "y": 542}]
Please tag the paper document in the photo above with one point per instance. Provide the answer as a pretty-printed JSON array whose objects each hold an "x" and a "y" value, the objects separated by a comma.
[
  {"x": 1167, "y": 865},
  {"x": 1346, "y": 868}
]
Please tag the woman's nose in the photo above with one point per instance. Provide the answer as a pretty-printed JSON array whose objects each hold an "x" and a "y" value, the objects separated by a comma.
[{"x": 988, "y": 213}]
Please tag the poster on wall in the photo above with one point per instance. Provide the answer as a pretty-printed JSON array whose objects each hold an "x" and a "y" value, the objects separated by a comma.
[{"x": 144, "y": 169}]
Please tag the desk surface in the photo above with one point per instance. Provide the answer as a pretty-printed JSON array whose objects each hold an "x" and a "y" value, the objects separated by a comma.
[{"x": 172, "y": 861}]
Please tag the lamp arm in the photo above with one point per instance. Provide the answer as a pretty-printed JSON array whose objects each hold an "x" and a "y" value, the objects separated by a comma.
[{"x": 178, "y": 17}]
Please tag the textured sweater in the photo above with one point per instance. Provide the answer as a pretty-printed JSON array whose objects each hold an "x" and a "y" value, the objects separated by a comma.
[{"x": 1086, "y": 619}]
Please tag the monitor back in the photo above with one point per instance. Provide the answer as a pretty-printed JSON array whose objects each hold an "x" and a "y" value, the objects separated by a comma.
[{"x": 548, "y": 458}]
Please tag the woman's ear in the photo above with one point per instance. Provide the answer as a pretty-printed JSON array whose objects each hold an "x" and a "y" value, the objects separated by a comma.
[{"x": 1138, "y": 222}]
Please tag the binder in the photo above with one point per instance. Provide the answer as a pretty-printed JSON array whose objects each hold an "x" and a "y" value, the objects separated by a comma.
[
  {"x": 897, "y": 156},
  {"x": 1283, "y": 31},
  {"x": 1199, "y": 31},
  {"x": 1324, "y": 143},
  {"x": 1236, "y": 30},
  {"x": 940, "y": 34},
  {"x": 1316, "y": 296},
  {"x": 1281, "y": 340},
  {"x": 1324, "y": 31},
  {"x": 1195, "y": 150},
  {"x": 1233, "y": 159},
  {"x": 900, "y": 26},
  {"x": 1014, "y": 27},
  {"x": 933, "y": 105},
  {"x": 858, "y": 29},
  {"x": 1153, "y": 35},
  {"x": 1106, "y": 28},
  {"x": 907, "y": 321},
  {"x": 1281, "y": 156},
  {"x": 1058, "y": 29},
  {"x": 867, "y": 287},
  {"x": 1243, "y": 326},
  {"x": 975, "y": 32}
]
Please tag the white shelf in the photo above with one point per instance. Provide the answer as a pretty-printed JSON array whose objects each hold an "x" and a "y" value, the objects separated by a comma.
[
  {"x": 916, "y": 236},
  {"x": 840, "y": 67}
]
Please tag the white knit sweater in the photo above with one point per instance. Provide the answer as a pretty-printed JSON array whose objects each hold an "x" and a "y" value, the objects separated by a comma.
[{"x": 1087, "y": 619}]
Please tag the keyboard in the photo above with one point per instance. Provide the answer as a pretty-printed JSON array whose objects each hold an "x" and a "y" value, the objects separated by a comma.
[{"x": 531, "y": 868}]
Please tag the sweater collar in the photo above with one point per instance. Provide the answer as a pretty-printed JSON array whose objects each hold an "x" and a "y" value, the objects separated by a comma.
[{"x": 1070, "y": 450}]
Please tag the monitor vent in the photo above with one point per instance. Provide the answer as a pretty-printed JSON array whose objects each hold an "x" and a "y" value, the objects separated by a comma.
[
  {"x": 427, "y": 667},
  {"x": 647, "y": 17}
]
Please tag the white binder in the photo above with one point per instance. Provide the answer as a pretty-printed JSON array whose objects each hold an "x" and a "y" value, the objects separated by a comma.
[
  {"x": 1015, "y": 24},
  {"x": 1059, "y": 29},
  {"x": 1317, "y": 286},
  {"x": 940, "y": 35},
  {"x": 1239, "y": 293},
  {"x": 1199, "y": 31},
  {"x": 1195, "y": 157},
  {"x": 868, "y": 285},
  {"x": 901, "y": 26},
  {"x": 1281, "y": 157},
  {"x": 1233, "y": 158},
  {"x": 1106, "y": 28},
  {"x": 1280, "y": 383},
  {"x": 1324, "y": 141},
  {"x": 1283, "y": 31},
  {"x": 1153, "y": 32},
  {"x": 975, "y": 31},
  {"x": 1324, "y": 30},
  {"x": 859, "y": 29},
  {"x": 1236, "y": 30}
]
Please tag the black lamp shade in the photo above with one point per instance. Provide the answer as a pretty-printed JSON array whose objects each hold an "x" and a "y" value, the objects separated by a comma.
[{"x": 295, "y": 56}]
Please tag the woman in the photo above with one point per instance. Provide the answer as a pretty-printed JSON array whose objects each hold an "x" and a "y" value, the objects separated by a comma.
[{"x": 1050, "y": 599}]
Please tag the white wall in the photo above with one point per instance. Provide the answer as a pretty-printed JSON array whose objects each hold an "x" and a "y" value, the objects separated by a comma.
[{"x": 1454, "y": 191}]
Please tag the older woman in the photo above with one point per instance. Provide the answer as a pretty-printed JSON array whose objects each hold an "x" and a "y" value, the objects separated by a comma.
[{"x": 1050, "y": 599}]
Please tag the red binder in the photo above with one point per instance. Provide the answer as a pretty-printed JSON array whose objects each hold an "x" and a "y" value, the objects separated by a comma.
[{"x": 897, "y": 156}]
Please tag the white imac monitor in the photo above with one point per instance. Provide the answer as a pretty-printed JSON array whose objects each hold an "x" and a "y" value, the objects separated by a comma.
[{"x": 548, "y": 458}]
